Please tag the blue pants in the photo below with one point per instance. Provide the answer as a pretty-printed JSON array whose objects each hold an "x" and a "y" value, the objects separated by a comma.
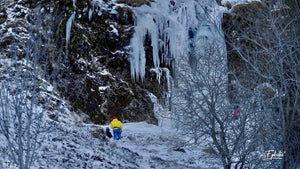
[{"x": 117, "y": 134}]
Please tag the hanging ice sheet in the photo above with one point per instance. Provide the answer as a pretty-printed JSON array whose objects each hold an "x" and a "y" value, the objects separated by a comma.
[{"x": 174, "y": 26}]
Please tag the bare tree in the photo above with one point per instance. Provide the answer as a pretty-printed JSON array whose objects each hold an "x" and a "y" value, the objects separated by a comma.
[
  {"x": 265, "y": 38},
  {"x": 201, "y": 108},
  {"x": 263, "y": 44},
  {"x": 23, "y": 94}
]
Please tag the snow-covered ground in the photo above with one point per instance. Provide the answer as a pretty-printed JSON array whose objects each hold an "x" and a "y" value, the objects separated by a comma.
[
  {"x": 143, "y": 146},
  {"x": 72, "y": 144},
  {"x": 163, "y": 148}
]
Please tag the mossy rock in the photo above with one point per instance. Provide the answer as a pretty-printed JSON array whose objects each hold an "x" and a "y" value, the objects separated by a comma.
[
  {"x": 7, "y": 41},
  {"x": 210, "y": 151},
  {"x": 123, "y": 96},
  {"x": 254, "y": 8},
  {"x": 267, "y": 92},
  {"x": 126, "y": 16},
  {"x": 135, "y": 3},
  {"x": 293, "y": 4},
  {"x": 219, "y": 2},
  {"x": 98, "y": 117},
  {"x": 3, "y": 17},
  {"x": 86, "y": 98},
  {"x": 98, "y": 133},
  {"x": 245, "y": 20},
  {"x": 118, "y": 63},
  {"x": 228, "y": 5},
  {"x": 118, "y": 99}
]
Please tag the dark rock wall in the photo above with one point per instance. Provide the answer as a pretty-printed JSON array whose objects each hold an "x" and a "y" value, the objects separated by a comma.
[
  {"x": 95, "y": 74},
  {"x": 236, "y": 25},
  {"x": 94, "y": 42}
]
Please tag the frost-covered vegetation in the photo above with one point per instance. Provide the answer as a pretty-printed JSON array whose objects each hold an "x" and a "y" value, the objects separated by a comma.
[{"x": 220, "y": 79}]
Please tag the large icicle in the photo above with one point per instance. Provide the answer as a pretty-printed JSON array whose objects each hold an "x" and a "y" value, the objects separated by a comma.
[
  {"x": 144, "y": 25},
  {"x": 180, "y": 31},
  {"x": 90, "y": 14},
  {"x": 68, "y": 28},
  {"x": 173, "y": 29},
  {"x": 74, "y": 3}
]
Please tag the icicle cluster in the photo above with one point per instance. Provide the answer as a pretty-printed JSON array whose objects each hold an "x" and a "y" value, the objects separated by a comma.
[
  {"x": 174, "y": 27},
  {"x": 68, "y": 28}
]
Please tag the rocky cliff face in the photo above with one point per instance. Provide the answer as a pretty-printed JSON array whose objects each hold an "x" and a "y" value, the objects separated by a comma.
[
  {"x": 94, "y": 69},
  {"x": 234, "y": 25}
]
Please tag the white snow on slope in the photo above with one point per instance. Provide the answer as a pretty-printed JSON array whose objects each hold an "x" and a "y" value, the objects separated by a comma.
[
  {"x": 143, "y": 146},
  {"x": 71, "y": 144},
  {"x": 163, "y": 148}
]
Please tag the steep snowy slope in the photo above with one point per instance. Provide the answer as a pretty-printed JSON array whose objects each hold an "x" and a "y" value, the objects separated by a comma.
[
  {"x": 69, "y": 143},
  {"x": 143, "y": 146}
]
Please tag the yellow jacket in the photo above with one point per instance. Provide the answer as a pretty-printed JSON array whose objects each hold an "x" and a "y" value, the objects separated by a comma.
[{"x": 116, "y": 124}]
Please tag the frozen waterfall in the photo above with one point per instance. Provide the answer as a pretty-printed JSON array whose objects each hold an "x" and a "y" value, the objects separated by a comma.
[{"x": 175, "y": 27}]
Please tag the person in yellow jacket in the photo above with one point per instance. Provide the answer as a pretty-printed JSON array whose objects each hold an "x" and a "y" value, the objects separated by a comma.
[{"x": 117, "y": 128}]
